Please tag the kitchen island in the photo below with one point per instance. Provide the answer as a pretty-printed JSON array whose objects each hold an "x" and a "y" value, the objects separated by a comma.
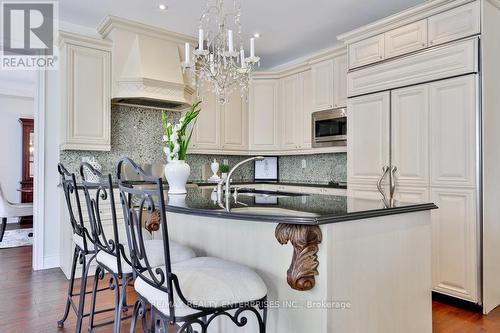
[{"x": 351, "y": 265}]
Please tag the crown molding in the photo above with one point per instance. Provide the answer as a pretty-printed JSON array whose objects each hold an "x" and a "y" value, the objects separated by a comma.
[
  {"x": 303, "y": 64},
  {"x": 408, "y": 16},
  {"x": 112, "y": 22},
  {"x": 66, "y": 37}
]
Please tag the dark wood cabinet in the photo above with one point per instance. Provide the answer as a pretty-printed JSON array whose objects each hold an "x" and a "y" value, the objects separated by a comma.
[{"x": 28, "y": 160}]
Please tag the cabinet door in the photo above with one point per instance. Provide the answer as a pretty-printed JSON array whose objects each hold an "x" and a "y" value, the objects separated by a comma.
[
  {"x": 264, "y": 115},
  {"x": 291, "y": 112},
  {"x": 453, "y": 115},
  {"x": 455, "y": 24},
  {"x": 366, "y": 52},
  {"x": 406, "y": 39},
  {"x": 235, "y": 131},
  {"x": 87, "y": 98},
  {"x": 410, "y": 135},
  {"x": 455, "y": 243},
  {"x": 367, "y": 137},
  {"x": 340, "y": 81},
  {"x": 323, "y": 85},
  {"x": 207, "y": 133},
  {"x": 307, "y": 108}
]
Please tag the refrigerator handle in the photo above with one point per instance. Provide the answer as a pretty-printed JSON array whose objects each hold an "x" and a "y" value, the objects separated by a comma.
[
  {"x": 385, "y": 170},
  {"x": 392, "y": 179}
]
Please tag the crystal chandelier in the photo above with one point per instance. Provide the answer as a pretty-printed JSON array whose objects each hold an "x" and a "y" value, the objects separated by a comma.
[{"x": 216, "y": 65}]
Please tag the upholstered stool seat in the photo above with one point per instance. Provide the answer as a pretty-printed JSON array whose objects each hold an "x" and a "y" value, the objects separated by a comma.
[
  {"x": 154, "y": 251},
  {"x": 206, "y": 282}
]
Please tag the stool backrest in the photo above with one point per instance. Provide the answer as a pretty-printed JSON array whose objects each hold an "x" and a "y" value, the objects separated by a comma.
[
  {"x": 70, "y": 189},
  {"x": 139, "y": 200},
  {"x": 97, "y": 195}
]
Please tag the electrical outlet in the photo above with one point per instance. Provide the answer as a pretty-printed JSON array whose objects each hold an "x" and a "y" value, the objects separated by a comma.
[
  {"x": 304, "y": 164},
  {"x": 225, "y": 161}
]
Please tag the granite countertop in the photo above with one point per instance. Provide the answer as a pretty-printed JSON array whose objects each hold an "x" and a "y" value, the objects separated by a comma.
[{"x": 311, "y": 209}]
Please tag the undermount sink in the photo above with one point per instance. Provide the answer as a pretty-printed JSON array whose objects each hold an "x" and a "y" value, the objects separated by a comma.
[{"x": 268, "y": 194}]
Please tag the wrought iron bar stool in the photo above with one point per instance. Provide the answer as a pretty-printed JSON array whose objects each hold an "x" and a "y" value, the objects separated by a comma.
[
  {"x": 110, "y": 244},
  {"x": 191, "y": 293},
  {"x": 84, "y": 251}
]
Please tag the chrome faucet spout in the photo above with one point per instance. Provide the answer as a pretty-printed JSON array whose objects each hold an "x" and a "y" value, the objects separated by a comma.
[{"x": 228, "y": 181}]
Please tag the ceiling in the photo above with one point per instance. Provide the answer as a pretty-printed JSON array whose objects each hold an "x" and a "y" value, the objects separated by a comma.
[{"x": 289, "y": 29}]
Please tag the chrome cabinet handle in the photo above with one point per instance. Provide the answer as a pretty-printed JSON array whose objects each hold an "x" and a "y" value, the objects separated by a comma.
[
  {"x": 385, "y": 170},
  {"x": 393, "y": 180}
]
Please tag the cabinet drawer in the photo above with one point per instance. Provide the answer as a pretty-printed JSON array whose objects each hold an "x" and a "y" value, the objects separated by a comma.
[
  {"x": 455, "y": 24},
  {"x": 366, "y": 51},
  {"x": 409, "y": 38}
]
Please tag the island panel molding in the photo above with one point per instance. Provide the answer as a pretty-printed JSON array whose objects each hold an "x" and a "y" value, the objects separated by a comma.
[{"x": 304, "y": 266}]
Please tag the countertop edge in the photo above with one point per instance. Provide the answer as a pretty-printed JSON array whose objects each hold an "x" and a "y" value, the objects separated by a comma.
[{"x": 302, "y": 220}]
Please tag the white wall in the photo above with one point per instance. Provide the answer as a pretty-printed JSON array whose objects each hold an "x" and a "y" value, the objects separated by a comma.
[{"x": 11, "y": 109}]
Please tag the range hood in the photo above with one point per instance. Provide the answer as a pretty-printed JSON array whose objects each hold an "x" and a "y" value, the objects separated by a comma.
[{"x": 146, "y": 65}]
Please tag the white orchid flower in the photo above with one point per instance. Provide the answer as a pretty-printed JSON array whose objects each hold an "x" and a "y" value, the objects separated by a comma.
[
  {"x": 177, "y": 147},
  {"x": 165, "y": 138},
  {"x": 182, "y": 120}
]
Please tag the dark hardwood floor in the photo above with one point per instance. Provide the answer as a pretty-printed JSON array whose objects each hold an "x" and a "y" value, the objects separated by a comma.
[{"x": 33, "y": 302}]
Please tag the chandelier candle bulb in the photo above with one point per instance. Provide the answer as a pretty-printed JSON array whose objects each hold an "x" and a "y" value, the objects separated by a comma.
[
  {"x": 252, "y": 47},
  {"x": 242, "y": 56},
  {"x": 187, "y": 51},
  {"x": 201, "y": 37},
  {"x": 230, "y": 40}
]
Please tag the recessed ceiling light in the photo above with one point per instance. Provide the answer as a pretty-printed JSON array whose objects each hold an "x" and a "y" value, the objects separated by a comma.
[
  {"x": 256, "y": 35},
  {"x": 162, "y": 6}
]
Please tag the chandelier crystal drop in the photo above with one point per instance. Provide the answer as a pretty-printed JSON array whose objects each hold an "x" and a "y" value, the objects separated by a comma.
[{"x": 215, "y": 65}]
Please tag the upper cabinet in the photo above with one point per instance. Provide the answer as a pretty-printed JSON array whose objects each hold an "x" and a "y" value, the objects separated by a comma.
[
  {"x": 323, "y": 85},
  {"x": 264, "y": 114},
  {"x": 329, "y": 83},
  {"x": 291, "y": 112},
  {"x": 86, "y": 93},
  {"x": 367, "y": 51},
  {"x": 207, "y": 131},
  {"x": 340, "y": 81},
  {"x": 454, "y": 24},
  {"x": 408, "y": 38},
  {"x": 221, "y": 127},
  {"x": 235, "y": 129},
  {"x": 437, "y": 28}
]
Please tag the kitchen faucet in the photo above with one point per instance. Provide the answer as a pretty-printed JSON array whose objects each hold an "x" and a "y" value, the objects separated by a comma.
[{"x": 228, "y": 182}]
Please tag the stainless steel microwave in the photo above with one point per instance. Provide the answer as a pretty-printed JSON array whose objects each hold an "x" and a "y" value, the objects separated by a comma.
[{"x": 329, "y": 128}]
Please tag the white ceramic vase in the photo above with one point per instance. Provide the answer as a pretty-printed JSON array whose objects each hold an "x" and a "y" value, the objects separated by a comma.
[{"x": 177, "y": 174}]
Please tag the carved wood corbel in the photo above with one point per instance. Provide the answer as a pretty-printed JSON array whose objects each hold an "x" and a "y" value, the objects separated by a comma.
[{"x": 305, "y": 239}]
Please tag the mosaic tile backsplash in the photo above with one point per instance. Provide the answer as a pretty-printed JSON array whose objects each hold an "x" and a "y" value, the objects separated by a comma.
[{"x": 137, "y": 133}]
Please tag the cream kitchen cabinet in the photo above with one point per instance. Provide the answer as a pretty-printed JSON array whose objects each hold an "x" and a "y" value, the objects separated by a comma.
[
  {"x": 340, "y": 81},
  {"x": 263, "y": 115},
  {"x": 307, "y": 108},
  {"x": 207, "y": 130},
  {"x": 367, "y": 51},
  {"x": 86, "y": 93},
  {"x": 221, "y": 127},
  {"x": 410, "y": 135},
  {"x": 453, "y": 111},
  {"x": 330, "y": 83},
  {"x": 235, "y": 129},
  {"x": 322, "y": 76},
  {"x": 454, "y": 24},
  {"x": 454, "y": 243},
  {"x": 368, "y": 137},
  {"x": 406, "y": 39},
  {"x": 291, "y": 114}
]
